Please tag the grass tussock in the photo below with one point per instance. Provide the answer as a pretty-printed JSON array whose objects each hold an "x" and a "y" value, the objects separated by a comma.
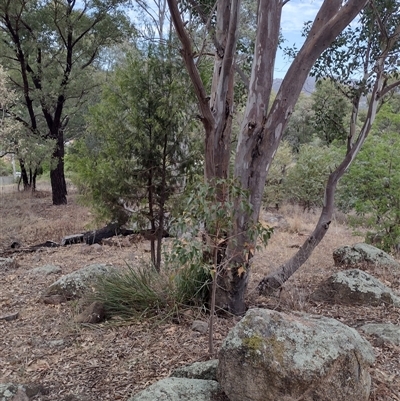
[
  {"x": 133, "y": 292},
  {"x": 143, "y": 291}
]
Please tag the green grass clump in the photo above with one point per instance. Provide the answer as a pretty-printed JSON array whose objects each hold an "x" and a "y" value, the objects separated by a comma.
[
  {"x": 136, "y": 292},
  {"x": 132, "y": 292}
]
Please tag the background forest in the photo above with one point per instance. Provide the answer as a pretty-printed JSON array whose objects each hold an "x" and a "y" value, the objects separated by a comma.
[{"x": 90, "y": 95}]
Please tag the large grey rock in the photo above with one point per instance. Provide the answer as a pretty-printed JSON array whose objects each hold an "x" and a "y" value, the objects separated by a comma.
[
  {"x": 73, "y": 285},
  {"x": 45, "y": 270},
  {"x": 277, "y": 221},
  {"x": 178, "y": 389},
  {"x": 355, "y": 287},
  {"x": 362, "y": 254},
  {"x": 270, "y": 356},
  {"x": 199, "y": 370},
  {"x": 7, "y": 264},
  {"x": 200, "y": 326},
  {"x": 19, "y": 392},
  {"x": 386, "y": 332}
]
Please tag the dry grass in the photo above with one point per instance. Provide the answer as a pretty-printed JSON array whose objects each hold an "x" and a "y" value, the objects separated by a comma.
[
  {"x": 108, "y": 362},
  {"x": 30, "y": 218}
]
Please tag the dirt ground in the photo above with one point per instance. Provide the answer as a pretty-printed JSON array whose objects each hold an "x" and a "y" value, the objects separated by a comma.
[{"x": 115, "y": 359}]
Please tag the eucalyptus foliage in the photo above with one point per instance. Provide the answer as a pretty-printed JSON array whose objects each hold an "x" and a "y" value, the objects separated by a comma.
[
  {"x": 202, "y": 230},
  {"x": 372, "y": 188},
  {"x": 306, "y": 180}
]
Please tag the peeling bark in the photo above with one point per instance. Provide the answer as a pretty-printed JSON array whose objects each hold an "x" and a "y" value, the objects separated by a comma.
[
  {"x": 278, "y": 277},
  {"x": 261, "y": 130}
]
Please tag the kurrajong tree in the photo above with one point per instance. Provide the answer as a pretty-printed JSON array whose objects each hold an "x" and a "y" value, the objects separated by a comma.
[
  {"x": 263, "y": 123},
  {"x": 50, "y": 48}
]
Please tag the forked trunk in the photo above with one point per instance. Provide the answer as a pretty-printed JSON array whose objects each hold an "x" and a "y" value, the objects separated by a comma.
[
  {"x": 261, "y": 130},
  {"x": 278, "y": 277}
]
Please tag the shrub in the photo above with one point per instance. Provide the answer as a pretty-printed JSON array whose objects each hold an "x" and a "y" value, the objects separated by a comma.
[
  {"x": 5, "y": 168},
  {"x": 306, "y": 180},
  {"x": 372, "y": 188},
  {"x": 274, "y": 192}
]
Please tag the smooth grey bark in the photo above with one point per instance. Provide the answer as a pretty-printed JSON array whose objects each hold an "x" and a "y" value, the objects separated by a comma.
[
  {"x": 262, "y": 127},
  {"x": 275, "y": 279},
  {"x": 262, "y": 130}
]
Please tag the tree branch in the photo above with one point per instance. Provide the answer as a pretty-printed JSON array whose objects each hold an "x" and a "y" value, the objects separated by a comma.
[{"x": 187, "y": 54}]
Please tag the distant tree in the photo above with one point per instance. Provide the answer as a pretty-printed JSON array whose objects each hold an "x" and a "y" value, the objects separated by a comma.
[
  {"x": 388, "y": 118},
  {"x": 8, "y": 126},
  {"x": 5, "y": 168},
  {"x": 372, "y": 189},
  {"x": 300, "y": 128},
  {"x": 50, "y": 48},
  {"x": 331, "y": 109},
  {"x": 306, "y": 179},
  {"x": 139, "y": 147},
  {"x": 275, "y": 188}
]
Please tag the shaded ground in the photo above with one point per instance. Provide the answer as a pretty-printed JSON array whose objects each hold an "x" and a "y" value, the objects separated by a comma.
[{"x": 111, "y": 361}]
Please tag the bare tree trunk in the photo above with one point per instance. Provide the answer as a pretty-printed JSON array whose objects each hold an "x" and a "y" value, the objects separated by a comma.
[
  {"x": 261, "y": 130},
  {"x": 57, "y": 178},
  {"x": 24, "y": 176},
  {"x": 278, "y": 277}
]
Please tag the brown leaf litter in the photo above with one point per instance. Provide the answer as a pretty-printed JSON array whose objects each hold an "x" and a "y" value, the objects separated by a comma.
[{"x": 113, "y": 360}]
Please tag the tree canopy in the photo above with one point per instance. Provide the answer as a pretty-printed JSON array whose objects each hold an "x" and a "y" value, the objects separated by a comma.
[{"x": 50, "y": 49}]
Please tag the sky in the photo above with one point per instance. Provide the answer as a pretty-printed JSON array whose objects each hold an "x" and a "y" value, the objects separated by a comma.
[{"x": 294, "y": 15}]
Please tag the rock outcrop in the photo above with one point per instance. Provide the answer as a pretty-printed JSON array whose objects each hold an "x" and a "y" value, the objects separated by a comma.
[
  {"x": 178, "y": 389},
  {"x": 271, "y": 356},
  {"x": 73, "y": 285},
  {"x": 363, "y": 254},
  {"x": 19, "y": 392},
  {"x": 355, "y": 286},
  {"x": 199, "y": 370},
  {"x": 384, "y": 332},
  {"x": 8, "y": 264},
  {"x": 46, "y": 270}
]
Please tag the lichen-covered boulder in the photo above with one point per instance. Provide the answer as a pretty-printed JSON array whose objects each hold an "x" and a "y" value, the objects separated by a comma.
[
  {"x": 385, "y": 332},
  {"x": 179, "y": 389},
  {"x": 199, "y": 370},
  {"x": 19, "y": 392},
  {"x": 73, "y": 285},
  {"x": 7, "y": 264},
  {"x": 363, "y": 254},
  {"x": 355, "y": 286},
  {"x": 45, "y": 270},
  {"x": 270, "y": 356}
]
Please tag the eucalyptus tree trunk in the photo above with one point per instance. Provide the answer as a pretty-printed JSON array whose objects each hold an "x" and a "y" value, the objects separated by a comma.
[
  {"x": 216, "y": 110},
  {"x": 262, "y": 130},
  {"x": 262, "y": 127},
  {"x": 57, "y": 177},
  {"x": 355, "y": 141}
]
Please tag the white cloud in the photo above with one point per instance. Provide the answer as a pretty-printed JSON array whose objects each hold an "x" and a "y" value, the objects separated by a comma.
[{"x": 297, "y": 12}]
